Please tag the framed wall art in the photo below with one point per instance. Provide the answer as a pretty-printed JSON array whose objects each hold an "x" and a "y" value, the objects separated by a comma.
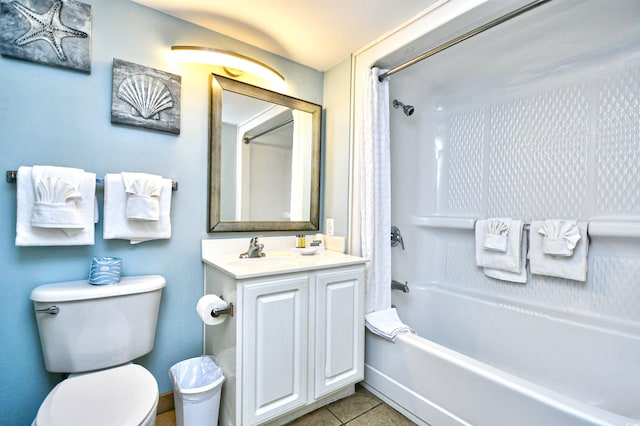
[
  {"x": 145, "y": 97},
  {"x": 50, "y": 32}
]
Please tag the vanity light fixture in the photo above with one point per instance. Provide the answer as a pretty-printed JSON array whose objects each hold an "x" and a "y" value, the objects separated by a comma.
[{"x": 233, "y": 64}]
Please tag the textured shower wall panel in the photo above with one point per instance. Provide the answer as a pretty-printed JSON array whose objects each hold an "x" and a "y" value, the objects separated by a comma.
[
  {"x": 569, "y": 151},
  {"x": 548, "y": 291},
  {"x": 538, "y": 156},
  {"x": 610, "y": 289},
  {"x": 613, "y": 286},
  {"x": 617, "y": 143},
  {"x": 465, "y": 171}
]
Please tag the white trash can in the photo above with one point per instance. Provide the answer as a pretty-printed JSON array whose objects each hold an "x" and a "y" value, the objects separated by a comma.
[{"x": 196, "y": 391}]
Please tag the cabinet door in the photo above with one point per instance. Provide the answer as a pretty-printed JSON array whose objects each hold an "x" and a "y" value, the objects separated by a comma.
[
  {"x": 339, "y": 329},
  {"x": 274, "y": 342}
]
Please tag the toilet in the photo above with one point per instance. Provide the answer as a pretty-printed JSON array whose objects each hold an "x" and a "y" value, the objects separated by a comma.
[{"x": 94, "y": 333}]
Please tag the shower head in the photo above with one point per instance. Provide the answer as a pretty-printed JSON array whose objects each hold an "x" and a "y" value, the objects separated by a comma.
[{"x": 407, "y": 109}]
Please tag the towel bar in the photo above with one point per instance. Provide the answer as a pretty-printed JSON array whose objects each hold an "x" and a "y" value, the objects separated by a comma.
[
  {"x": 624, "y": 227},
  {"x": 12, "y": 177}
]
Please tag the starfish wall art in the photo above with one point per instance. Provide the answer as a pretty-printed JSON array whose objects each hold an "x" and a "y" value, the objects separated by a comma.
[{"x": 51, "y": 32}]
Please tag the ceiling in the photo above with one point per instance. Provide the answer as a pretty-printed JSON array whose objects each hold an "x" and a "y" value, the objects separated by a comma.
[{"x": 318, "y": 34}]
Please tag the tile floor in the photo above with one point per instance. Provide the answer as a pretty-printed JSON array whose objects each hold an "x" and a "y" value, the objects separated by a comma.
[{"x": 360, "y": 409}]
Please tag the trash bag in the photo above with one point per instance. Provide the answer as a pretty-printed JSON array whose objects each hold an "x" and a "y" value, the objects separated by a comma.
[{"x": 195, "y": 378}]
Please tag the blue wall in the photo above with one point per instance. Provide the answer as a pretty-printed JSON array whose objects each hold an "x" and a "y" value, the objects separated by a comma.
[{"x": 59, "y": 117}]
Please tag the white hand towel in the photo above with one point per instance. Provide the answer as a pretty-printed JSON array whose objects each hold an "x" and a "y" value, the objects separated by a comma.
[
  {"x": 386, "y": 323},
  {"x": 143, "y": 192},
  {"x": 56, "y": 198},
  {"x": 510, "y": 260},
  {"x": 572, "y": 267},
  {"x": 560, "y": 237},
  {"x": 116, "y": 224},
  {"x": 29, "y": 235},
  {"x": 496, "y": 234},
  {"x": 514, "y": 277}
]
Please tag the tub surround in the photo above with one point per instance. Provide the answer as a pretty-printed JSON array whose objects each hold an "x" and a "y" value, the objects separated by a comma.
[
  {"x": 506, "y": 126},
  {"x": 296, "y": 339},
  {"x": 539, "y": 365}
]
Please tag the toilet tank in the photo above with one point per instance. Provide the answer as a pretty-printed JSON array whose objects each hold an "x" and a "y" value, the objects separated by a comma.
[{"x": 97, "y": 326}]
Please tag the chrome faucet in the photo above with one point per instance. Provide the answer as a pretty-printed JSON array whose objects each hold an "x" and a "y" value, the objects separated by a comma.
[
  {"x": 254, "y": 250},
  {"x": 397, "y": 285}
]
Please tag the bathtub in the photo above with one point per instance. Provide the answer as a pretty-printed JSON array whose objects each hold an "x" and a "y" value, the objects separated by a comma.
[{"x": 478, "y": 360}]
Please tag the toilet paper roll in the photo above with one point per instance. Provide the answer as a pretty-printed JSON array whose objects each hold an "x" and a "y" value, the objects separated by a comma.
[{"x": 206, "y": 304}]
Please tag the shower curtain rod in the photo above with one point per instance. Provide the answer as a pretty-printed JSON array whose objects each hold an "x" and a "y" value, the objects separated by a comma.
[
  {"x": 464, "y": 37},
  {"x": 248, "y": 139}
]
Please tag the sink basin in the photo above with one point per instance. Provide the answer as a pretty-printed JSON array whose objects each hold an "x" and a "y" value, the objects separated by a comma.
[
  {"x": 264, "y": 262},
  {"x": 274, "y": 262}
]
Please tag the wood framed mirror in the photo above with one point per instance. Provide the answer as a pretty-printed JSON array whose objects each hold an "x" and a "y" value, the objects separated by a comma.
[{"x": 264, "y": 159}]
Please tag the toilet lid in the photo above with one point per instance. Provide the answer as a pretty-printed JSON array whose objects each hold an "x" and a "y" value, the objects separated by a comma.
[{"x": 117, "y": 396}]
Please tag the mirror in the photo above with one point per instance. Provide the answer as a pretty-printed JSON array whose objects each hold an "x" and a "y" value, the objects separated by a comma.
[{"x": 264, "y": 159}]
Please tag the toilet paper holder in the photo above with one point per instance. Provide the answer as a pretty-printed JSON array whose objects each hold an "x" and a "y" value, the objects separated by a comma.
[{"x": 228, "y": 310}]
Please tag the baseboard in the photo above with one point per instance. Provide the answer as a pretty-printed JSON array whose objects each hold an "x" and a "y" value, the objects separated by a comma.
[{"x": 165, "y": 403}]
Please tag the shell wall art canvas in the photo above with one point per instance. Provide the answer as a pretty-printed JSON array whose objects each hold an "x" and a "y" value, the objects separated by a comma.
[
  {"x": 145, "y": 97},
  {"x": 50, "y": 32}
]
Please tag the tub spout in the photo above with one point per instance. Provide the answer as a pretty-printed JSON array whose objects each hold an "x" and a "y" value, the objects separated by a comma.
[{"x": 397, "y": 285}]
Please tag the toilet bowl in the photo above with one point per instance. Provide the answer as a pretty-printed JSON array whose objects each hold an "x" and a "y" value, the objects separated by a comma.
[
  {"x": 126, "y": 395},
  {"x": 94, "y": 333}
]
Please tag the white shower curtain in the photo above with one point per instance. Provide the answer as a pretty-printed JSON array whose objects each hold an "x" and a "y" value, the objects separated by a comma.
[{"x": 372, "y": 159}]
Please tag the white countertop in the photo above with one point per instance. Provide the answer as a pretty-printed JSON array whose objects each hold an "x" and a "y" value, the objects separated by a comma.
[{"x": 276, "y": 261}]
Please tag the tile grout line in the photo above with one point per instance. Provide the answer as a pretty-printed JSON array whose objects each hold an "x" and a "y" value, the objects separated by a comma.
[
  {"x": 363, "y": 413},
  {"x": 337, "y": 418}
]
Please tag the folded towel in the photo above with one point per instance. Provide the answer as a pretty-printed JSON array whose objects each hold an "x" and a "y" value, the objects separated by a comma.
[
  {"x": 515, "y": 277},
  {"x": 143, "y": 191},
  {"x": 496, "y": 234},
  {"x": 560, "y": 237},
  {"x": 386, "y": 324},
  {"x": 79, "y": 225},
  {"x": 116, "y": 224},
  {"x": 510, "y": 260},
  {"x": 56, "y": 198},
  {"x": 569, "y": 267}
]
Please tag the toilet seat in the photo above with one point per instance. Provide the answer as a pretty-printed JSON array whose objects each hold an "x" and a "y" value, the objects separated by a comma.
[{"x": 125, "y": 395}]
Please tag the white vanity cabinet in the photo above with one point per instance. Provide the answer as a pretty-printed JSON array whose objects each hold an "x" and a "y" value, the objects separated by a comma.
[
  {"x": 338, "y": 329},
  {"x": 296, "y": 340},
  {"x": 274, "y": 340}
]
